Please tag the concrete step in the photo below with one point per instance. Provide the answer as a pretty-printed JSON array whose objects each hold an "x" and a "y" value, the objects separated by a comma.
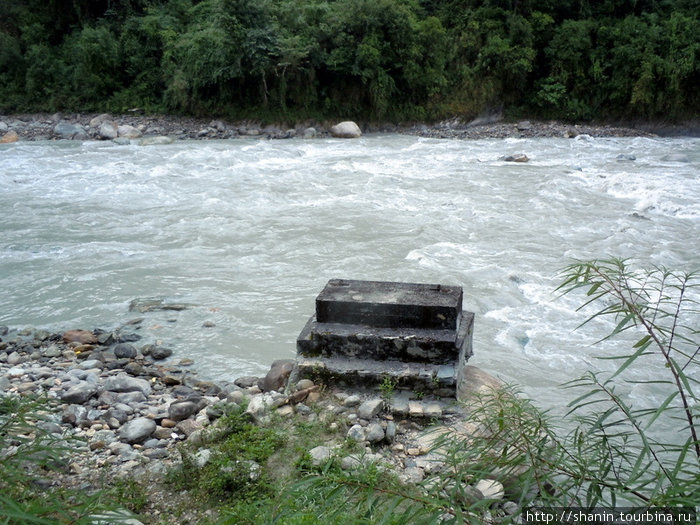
[
  {"x": 417, "y": 345},
  {"x": 429, "y": 379}
]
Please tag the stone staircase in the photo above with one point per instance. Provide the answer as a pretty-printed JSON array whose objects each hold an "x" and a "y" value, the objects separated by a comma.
[{"x": 387, "y": 335}]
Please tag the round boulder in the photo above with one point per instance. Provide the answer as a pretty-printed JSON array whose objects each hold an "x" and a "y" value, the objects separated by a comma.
[
  {"x": 125, "y": 351},
  {"x": 346, "y": 130}
]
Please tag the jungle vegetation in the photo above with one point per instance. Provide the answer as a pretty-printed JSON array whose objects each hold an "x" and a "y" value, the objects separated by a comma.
[{"x": 371, "y": 59}]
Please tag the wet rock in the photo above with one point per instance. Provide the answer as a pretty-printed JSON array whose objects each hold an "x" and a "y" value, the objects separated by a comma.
[
  {"x": 160, "y": 352},
  {"x": 516, "y": 157},
  {"x": 125, "y": 351}
]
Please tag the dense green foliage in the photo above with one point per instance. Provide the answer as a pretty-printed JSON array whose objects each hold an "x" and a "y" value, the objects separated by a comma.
[{"x": 377, "y": 59}]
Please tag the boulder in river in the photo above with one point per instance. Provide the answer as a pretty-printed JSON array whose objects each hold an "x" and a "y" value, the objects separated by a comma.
[
  {"x": 108, "y": 130},
  {"x": 10, "y": 136},
  {"x": 346, "y": 130},
  {"x": 66, "y": 130}
]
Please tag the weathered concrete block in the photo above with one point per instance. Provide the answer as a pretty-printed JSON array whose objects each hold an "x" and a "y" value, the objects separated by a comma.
[{"x": 385, "y": 304}]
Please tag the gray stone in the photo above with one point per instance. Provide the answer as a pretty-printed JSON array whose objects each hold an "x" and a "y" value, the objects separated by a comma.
[
  {"x": 70, "y": 131},
  {"x": 90, "y": 364},
  {"x": 125, "y": 383},
  {"x": 390, "y": 431},
  {"x": 350, "y": 463},
  {"x": 52, "y": 351},
  {"x": 370, "y": 408},
  {"x": 304, "y": 384},
  {"x": 131, "y": 398},
  {"x": 79, "y": 394},
  {"x": 356, "y": 433},
  {"x": 179, "y": 410},
  {"x": 115, "y": 417},
  {"x": 75, "y": 415},
  {"x": 414, "y": 474},
  {"x": 246, "y": 381},
  {"x": 160, "y": 352},
  {"x": 15, "y": 372},
  {"x": 346, "y": 130},
  {"x": 375, "y": 433},
  {"x": 352, "y": 401},
  {"x": 137, "y": 430},
  {"x": 123, "y": 450},
  {"x": 188, "y": 426},
  {"x": 125, "y": 351},
  {"x": 490, "y": 488},
  {"x": 319, "y": 455},
  {"x": 108, "y": 130},
  {"x": 524, "y": 125},
  {"x": 202, "y": 457},
  {"x": 128, "y": 131},
  {"x": 258, "y": 407},
  {"x": 99, "y": 119},
  {"x": 516, "y": 157},
  {"x": 309, "y": 133}
]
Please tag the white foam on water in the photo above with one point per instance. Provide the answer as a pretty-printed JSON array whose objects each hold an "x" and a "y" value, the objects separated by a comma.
[{"x": 248, "y": 232}]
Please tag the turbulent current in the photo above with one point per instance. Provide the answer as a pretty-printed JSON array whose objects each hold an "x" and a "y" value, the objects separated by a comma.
[{"x": 247, "y": 232}]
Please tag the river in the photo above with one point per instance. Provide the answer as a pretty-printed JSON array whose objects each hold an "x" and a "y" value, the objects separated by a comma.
[{"x": 247, "y": 232}]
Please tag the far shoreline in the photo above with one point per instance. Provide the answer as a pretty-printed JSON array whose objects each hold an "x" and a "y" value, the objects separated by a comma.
[{"x": 44, "y": 126}]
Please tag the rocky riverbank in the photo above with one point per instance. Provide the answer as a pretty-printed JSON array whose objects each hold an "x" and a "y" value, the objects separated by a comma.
[
  {"x": 150, "y": 128},
  {"x": 133, "y": 407}
]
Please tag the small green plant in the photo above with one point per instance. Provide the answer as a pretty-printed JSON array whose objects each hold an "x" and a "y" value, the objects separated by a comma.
[{"x": 388, "y": 386}]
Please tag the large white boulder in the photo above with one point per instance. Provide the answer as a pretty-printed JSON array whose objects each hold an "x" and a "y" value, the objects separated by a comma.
[{"x": 346, "y": 130}]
